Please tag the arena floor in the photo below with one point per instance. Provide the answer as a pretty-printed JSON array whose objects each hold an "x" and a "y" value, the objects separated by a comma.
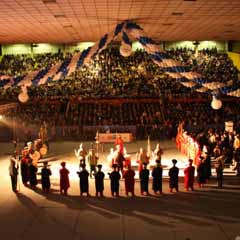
[{"x": 207, "y": 213}]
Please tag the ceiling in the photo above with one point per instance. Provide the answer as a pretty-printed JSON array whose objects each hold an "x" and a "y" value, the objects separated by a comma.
[{"x": 69, "y": 21}]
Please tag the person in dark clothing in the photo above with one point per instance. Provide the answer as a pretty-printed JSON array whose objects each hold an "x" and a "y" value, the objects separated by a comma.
[
  {"x": 219, "y": 165},
  {"x": 144, "y": 179},
  {"x": 83, "y": 180},
  {"x": 24, "y": 166},
  {"x": 157, "y": 178},
  {"x": 208, "y": 168},
  {"x": 119, "y": 160},
  {"x": 173, "y": 174},
  {"x": 114, "y": 178},
  {"x": 201, "y": 172},
  {"x": 99, "y": 181},
  {"x": 45, "y": 174},
  {"x": 13, "y": 172},
  {"x": 33, "y": 176}
]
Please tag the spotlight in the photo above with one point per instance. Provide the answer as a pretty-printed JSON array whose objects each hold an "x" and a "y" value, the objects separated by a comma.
[{"x": 1, "y": 117}]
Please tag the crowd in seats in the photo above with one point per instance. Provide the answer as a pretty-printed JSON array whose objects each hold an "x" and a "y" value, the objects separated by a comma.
[
  {"x": 109, "y": 75},
  {"x": 21, "y": 64}
]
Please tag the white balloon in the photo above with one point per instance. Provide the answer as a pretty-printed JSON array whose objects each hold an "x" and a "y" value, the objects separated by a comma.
[
  {"x": 125, "y": 50},
  {"x": 23, "y": 97},
  {"x": 216, "y": 103}
]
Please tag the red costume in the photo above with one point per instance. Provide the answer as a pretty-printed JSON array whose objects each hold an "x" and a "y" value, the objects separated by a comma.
[
  {"x": 189, "y": 177},
  {"x": 64, "y": 180},
  {"x": 119, "y": 142},
  {"x": 129, "y": 181}
]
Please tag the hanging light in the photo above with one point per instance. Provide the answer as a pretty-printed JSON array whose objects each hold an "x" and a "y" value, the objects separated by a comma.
[
  {"x": 216, "y": 103},
  {"x": 23, "y": 95},
  {"x": 125, "y": 50}
]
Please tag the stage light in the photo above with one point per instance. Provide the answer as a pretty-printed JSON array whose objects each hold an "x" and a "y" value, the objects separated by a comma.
[{"x": 1, "y": 117}]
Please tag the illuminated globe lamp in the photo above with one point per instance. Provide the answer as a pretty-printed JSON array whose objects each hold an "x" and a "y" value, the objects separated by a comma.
[
  {"x": 216, "y": 103},
  {"x": 23, "y": 95},
  {"x": 125, "y": 49}
]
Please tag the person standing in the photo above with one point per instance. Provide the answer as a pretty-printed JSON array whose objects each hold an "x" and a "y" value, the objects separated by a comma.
[
  {"x": 144, "y": 179},
  {"x": 45, "y": 174},
  {"x": 92, "y": 159},
  {"x": 201, "y": 172},
  {"x": 13, "y": 171},
  {"x": 157, "y": 178},
  {"x": 24, "y": 166},
  {"x": 189, "y": 176},
  {"x": 114, "y": 178},
  {"x": 64, "y": 179},
  {"x": 99, "y": 181},
  {"x": 83, "y": 180},
  {"x": 173, "y": 174},
  {"x": 119, "y": 142},
  {"x": 129, "y": 180},
  {"x": 219, "y": 165},
  {"x": 33, "y": 175}
]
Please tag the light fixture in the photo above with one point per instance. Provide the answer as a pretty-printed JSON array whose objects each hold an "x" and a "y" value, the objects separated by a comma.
[
  {"x": 1, "y": 117},
  {"x": 216, "y": 103}
]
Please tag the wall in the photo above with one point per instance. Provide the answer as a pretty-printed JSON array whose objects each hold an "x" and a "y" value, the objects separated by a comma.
[
  {"x": 235, "y": 58},
  {"x": 220, "y": 45},
  {"x": 46, "y": 48},
  {"x": 16, "y": 49},
  {"x": 78, "y": 46}
]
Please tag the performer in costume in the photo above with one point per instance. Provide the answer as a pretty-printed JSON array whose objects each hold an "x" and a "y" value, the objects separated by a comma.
[
  {"x": 81, "y": 153},
  {"x": 119, "y": 142},
  {"x": 45, "y": 174},
  {"x": 33, "y": 175},
  {"x": 189, "y": 176},
  {"x": 201, "y": 172},
  {"x": 83, "y": 180},
  {"x": 64, "y": 179},
  {"x": 129, "y": 180},
  {"x": 144, "y": 179},
  {"x": 157, "y": 153},
  {"x": 13, "y": 171},
  {"x": 25, "y": 159},
  {"x": 157, "y": 178},
  {"x": 114, "y": 178},
  {"x": 99, "y": 181},
  {"x": 173, "y": 174},
  {"x": 92, "y": 160},
  {"x": 119, "y": 158},
  {"x": 142, "y": 157}
]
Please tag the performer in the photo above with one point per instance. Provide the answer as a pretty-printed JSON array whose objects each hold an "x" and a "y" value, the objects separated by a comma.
[
  {"x": 189, "y": 176},
  {"x": 144, "y": 179},
  {"x": 83, "y": 180},
  {"x": 99, "y": 181},
  {"x": 119, "y": 142},
  {"x": 13, "y": 171},
  {"x": 81, "y": 154},
  {"x": 219, "y": 165},
  {"x": 45, "y": 174},
  {"x": 173, "y": 174},
  {"x": 201, "y": 172},
  {"x": 64, "y": 179},
  {"x": 92, "y": 160},
  {"x": 129, "y": 180},
  {"x": 157, "y": 178},
  {"x": 24, "y": 166},
  {"x": 114, "y": 178},
  {"x": 142, "y": 158},
  {"x": 33, "y": 175},
  {"x": 119, "y": 158},
  {"x": 157, "y": 153}
]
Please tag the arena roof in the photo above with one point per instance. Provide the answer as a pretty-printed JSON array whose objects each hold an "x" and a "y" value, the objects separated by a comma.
[{"x": 69, "y": 21}]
